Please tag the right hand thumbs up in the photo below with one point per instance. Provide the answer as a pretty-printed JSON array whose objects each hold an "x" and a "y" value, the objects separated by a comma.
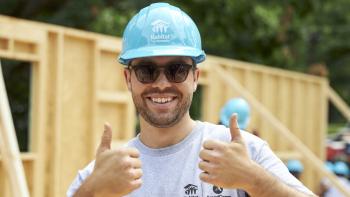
[
  {"x": 117, "y": 172},
  {"x": 106, "y": 139}
]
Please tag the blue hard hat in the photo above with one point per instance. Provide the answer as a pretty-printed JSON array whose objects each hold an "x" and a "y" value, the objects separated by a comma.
[
  {"x": 341, "y": 168},
  {"x": 329, "y": 166},
  {"x": 161, "y": 30},
  {"x": 295, "y": 166},
  {"x": 238, "y": 106}
]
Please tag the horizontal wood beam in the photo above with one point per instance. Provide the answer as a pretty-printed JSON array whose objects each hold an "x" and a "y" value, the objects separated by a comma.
[
  {"x": 19, "y": 56},
  {"x": 113, "y": 97},
  {"x": 25, "y": 157}
]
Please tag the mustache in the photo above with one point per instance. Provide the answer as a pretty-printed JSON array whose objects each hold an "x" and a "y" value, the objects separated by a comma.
[{"x": 172, "y": 90}]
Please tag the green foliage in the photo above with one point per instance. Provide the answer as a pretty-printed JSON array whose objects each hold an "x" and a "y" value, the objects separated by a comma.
[
  {"x": 110, "y": 21},
  {"x": 334, "y": 128},
  {"x": 196, "y": 106}
]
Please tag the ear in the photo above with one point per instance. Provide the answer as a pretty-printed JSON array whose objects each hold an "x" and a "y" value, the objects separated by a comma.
[
  {"x": 127, "y": 77},
  {"x": 195, "y": 79}
]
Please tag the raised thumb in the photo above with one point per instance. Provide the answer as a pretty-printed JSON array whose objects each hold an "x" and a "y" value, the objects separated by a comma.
[
  {"x": 106, "y": 139},
  {"x": 234, "y": 128}
]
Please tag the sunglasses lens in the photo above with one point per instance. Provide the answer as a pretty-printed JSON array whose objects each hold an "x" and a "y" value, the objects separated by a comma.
[
  {"x": 175, "y": 73},
  {"x": 146, "y": 74}
]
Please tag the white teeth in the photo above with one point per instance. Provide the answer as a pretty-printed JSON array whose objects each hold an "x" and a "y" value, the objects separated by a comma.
[{"x": 161, "y": 100}]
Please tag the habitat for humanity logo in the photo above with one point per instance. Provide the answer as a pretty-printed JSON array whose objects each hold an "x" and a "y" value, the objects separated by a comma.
[
  {"x": 160, "y": 31},
  {"x": 191, "y": 190}
]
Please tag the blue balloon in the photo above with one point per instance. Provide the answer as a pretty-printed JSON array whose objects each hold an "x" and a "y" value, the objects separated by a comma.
[
  {"x": 329, "y": 166},
  {"x": 238, "y": 106},
  {"x": 295, "y": 166},
  {"x": 341, "y": 168}
]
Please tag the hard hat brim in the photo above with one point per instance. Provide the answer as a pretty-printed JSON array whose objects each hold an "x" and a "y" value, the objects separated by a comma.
[{"x": 197, "y": 55}]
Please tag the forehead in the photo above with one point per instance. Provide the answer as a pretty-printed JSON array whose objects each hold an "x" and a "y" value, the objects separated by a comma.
[{"x": 161, "y": 60}]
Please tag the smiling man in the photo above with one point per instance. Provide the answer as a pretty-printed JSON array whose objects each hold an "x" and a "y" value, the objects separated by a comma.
[{"x": 175, "y": 155}]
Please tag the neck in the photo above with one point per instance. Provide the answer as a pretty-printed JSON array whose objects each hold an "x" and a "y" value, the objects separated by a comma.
[{"x": 155, "y": 137}]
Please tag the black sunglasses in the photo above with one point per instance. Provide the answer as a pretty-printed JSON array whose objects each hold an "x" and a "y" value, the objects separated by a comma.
[{"x": 149, "y": 73}]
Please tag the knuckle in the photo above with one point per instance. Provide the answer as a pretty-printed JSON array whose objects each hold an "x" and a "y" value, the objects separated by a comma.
[
  {"x": 133, "y": 152},
  {"x": 214, "y": 170},
  {"x": 215, "y": 156},
  {"x": 126, "y": 163},
  {"x": 236, "y": 147},
  {"x": 134, "y": 149},
  {"x": 136, "y": 173},
  {"x": 129, "y": 176},
  {"x": 104, "y": 156},
  {"x": 201, "y": 165},
  {"x": 136, "y": 163},
  {"x": 221, "y": 146},
  {"x": 202, "y": 176},
  {"x": 136, "y": 184},
  {"x": 140, "y": 174},
  {"x": 206, "y": 143},
  {"x": 139, "y": 163},
  {"x": 120, "y": 152},
  {"x": 202, "y": 154},
  {"x": 205, "y": 177}
]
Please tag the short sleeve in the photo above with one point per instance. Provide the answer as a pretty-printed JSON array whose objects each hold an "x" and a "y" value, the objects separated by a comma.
[
  {"x": 80, "y": 178},
  {"x": 269, "y": 161}
]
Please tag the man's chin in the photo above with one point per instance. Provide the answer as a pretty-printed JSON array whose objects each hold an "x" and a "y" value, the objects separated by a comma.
[{"x": 162, "y": 123}]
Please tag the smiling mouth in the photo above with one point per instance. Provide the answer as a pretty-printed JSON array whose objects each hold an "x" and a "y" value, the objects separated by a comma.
[{"x": 162, "y": 100}]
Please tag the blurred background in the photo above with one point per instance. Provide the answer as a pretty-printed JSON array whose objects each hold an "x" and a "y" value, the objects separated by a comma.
[{"x": 306, "y": 36}]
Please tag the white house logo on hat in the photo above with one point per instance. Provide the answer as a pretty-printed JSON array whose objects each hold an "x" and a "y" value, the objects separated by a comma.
[{"x": 160, "y": 31}]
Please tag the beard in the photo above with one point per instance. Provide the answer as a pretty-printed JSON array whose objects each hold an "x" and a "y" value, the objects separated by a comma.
[{"x": 163, "y": 120}]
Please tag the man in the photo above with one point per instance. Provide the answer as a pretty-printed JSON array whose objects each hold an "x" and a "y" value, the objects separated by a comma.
[{"x": 174, "y": 155}]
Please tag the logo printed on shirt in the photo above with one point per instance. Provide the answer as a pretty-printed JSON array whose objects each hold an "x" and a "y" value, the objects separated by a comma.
[
  {"x": 217, "y": 190},
  {"x": 191, "y": 190},
  {"x": 160, "y": 31}
]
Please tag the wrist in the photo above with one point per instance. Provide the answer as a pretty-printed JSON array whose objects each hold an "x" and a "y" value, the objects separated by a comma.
[
  {"x": 258, "y": 179},
  {"x": 93, "y": 187},
  {"x": 87, "y": 189}
]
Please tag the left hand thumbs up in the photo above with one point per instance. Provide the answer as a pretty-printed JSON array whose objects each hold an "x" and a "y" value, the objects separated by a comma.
[
  {"x": 234, "y": 129},
  {"x": 225, "y": 164}
]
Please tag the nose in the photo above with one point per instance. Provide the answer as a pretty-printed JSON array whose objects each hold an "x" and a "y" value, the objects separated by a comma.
[{"x": 161, "y": 82}]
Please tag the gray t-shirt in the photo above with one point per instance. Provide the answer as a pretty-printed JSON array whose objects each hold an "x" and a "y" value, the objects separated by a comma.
[{"x": 173, "y": 171}]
